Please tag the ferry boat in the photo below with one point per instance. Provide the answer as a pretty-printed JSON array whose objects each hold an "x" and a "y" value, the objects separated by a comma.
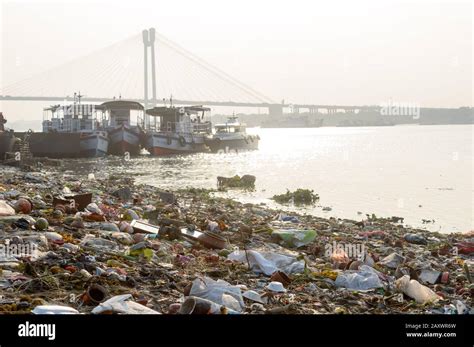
[
  {"x": 177, "y": 130},
  {"x": 231, "y": 137},
  {"x": 7, "y": 138},
  {"x": 125, "y": 126},
  {"x": 70, "y": 131}
]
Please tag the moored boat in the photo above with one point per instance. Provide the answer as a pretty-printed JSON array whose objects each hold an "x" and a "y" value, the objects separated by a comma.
[
  {"x": 93, "y": 144},
  {"x": 70, "y": 131},
  {"x": 177, "y": 130},
  {"x": 231, "y": 136},
  {"x": 125, "y": 126}
]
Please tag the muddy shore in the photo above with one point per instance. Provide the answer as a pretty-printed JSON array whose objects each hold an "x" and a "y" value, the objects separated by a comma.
[{"x": 251, "y": 259}]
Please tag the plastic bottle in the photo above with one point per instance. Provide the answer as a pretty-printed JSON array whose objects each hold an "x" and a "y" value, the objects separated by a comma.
[{"x": 415, "y": 290}]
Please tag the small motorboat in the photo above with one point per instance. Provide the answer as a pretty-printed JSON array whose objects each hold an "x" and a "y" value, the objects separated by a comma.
[
  {"x": 231, "y": 137},
  {"x": 177, "y": 130}
]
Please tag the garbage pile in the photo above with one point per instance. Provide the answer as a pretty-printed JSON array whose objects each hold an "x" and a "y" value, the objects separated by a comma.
[{"x": 81, "y": 245}]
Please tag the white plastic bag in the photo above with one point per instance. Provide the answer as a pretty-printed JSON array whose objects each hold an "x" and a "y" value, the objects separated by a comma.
[
  {"x": 268, "y": 262},
  {"x": 219, "y": 291},
  {"x": 365, "y": 278},
  {"x": 122, "y": 304}
]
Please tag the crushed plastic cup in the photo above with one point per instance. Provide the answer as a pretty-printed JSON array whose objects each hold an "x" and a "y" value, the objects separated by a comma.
[
  {"x": 195, "y": 305},
  {"x": 276, "y": 287}
]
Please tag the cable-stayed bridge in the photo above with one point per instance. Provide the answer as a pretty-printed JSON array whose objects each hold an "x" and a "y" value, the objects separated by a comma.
[{"x": 127, "y": 70}]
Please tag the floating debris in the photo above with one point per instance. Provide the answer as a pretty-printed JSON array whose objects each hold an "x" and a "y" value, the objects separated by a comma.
[
  {"x": 298, "y": 197},
  {"x": 246, "y": 182}
]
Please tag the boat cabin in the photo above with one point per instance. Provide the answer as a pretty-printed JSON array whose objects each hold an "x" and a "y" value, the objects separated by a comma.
[
  {"x": 72, "y": 118},
  {"x": 124, "y": 112},
  {"x": 231, "y": 126},
  {"x": 189, "y": 119}
]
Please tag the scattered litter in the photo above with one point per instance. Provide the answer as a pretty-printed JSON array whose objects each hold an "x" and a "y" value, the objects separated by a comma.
[{"x": 93, "y": 237}]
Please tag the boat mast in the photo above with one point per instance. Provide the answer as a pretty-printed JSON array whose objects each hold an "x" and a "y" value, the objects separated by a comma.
[{"x": 79, "y": 110}]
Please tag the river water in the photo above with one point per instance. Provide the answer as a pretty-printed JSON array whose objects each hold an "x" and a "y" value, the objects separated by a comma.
[{"x": 416, "y": 172}]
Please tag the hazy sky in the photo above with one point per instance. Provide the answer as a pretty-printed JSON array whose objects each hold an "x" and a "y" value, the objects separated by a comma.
[{"x": 303, "y": 51}]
